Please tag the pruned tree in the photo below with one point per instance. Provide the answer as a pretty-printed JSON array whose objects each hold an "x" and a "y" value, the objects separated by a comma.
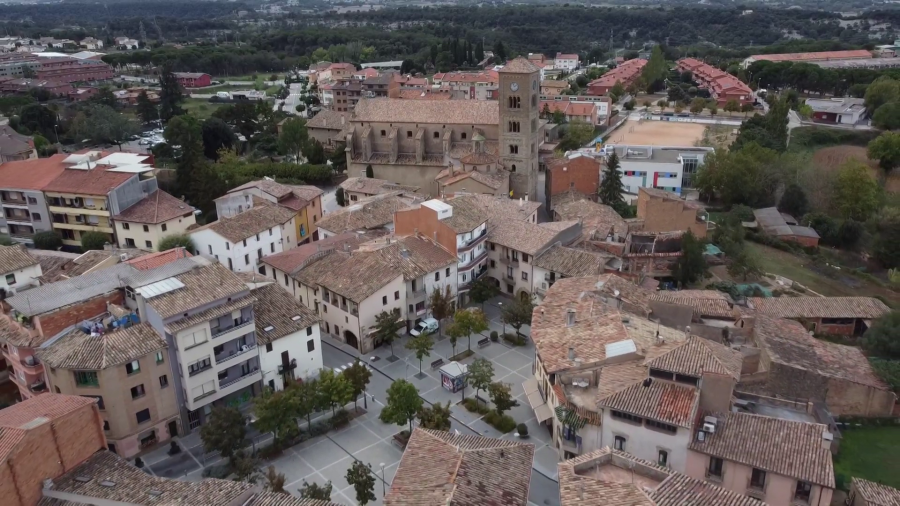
[
  {"x": 441, "y": 304},
  {"x": 387, "y": 324},
  {"x": 481, "y": 374},
  {"x": 274, "y": 481},
  {"x": 362, "y": 478},
  {"x": 436, "y": 417},
  {"x": 422, "y": 346},
  {"x": 225, "y": 431},
  {"x": 517, "y": 313},
  {"x": 293, "y": 138},
  {"x": 315, "y": 491},
  {"x": 501, "y": 396},
  {"x": 467, "y": 322},
  {"x": 245, "y": 467},
  {"x": 335, "y": 390},
  {"x": 177, "y": 241},
  {"x": 275, "y": 413},
  {"x": 403, "y": 403},
  {"x": 307, "y": 399},
  {"x": 483, "y": 290},
  {"x": 358, "y": 376},
  {"x": 691, "y": 266}
]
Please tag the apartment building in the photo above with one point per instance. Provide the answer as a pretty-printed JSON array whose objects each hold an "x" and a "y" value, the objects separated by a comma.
[
  {"x": 722, "y": 86},
  {"x": 566, "y": 61},
  {"x": 144, "y": 224},
  {"x": 289, "y": 337},
  {"x": 821, "y": 56},
  {"x": 304, "y": 200},
  {"x": 745, "y": 453},
  {"x": 94, "y": 187},
  {"x": 127, "y": 371},
  {"x": 625, "y": 74},
  {"x": 206, "y": 315},
  {"x": 484, "y": 85},
  {"x": 241, "y": 241},
  {"x": 42, "y": 438},
  {"x": 22, "y": 199}
]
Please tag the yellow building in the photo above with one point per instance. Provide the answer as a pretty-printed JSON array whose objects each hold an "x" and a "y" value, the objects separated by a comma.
[
  {"x": 304, "y": 200},
  {"x": 144, "y": 224}
]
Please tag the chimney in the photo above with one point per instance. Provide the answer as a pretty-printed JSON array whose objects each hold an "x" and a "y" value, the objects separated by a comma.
[
  {"x": 343, "y": 120},
  {"x": 521, "y": 202},
  {"x": 570, "y": 318},
  {"x": 571, "y": 353},
  {"x": 687, "y": 330},
  {"x": 827, "y": 438},
  {"x": 526, "y": 197},
  {"x": 450, "y": 169}
]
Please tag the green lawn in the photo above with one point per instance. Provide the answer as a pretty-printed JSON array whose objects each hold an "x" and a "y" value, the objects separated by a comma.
[
  {"x": 872, "y": 453},
  {"x": 200, "y": 107}
]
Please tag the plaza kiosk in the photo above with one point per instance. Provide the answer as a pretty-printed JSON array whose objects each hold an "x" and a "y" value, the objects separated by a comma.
[{"x": 453, "y": 376}]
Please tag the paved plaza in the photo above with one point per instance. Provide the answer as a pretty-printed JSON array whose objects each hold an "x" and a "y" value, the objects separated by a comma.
[{"x": 367, "y": 439}]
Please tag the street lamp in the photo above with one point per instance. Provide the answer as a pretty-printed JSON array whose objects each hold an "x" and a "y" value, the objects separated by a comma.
[
  {"x": 383, "y": 491},
  {"x": 500, "y": 305}
]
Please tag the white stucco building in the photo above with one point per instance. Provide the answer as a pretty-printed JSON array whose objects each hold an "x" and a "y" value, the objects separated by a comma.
[
  {"x": 567, "y": 62},
  {"x": 18, "y": 269}
]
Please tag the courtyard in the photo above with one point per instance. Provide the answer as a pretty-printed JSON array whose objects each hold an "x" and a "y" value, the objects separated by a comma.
[
  {"x": 636, "y": 132},
  {"x": 367, "y": 439}
]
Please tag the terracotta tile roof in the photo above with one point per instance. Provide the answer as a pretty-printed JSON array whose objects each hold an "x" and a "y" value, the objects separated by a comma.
[
  {"x": 372, "y": 186},
  {"x": 624, "y": 73},
  {"x": 788, "y": 343},
  {"x": 713, "y": 306},
  {"x": 444, "y": 468},
  {"x": 255, "y": 220},
  {"x": 209, "y": 314},
  {"x": 467, "y": 215},
  {"x": 307, "y": 192},
  {"x": 658, "y": 400},
  {"x": 16, "y": 335},
  {"x": 820, "y": 307},
  {"x": 372, "y": 212},
  {"x": 77, "y": 350},
  {"x": 788, "y": 448},
  {"x": 595, "y": 218},
  {"x": 354, "y": 276},
  {"x": 697, "y": 356},
  {"x": 32, "y": 174},
  {"x": 448, "y": 112},
  {"x": 158, "y": 207},
  {"x": 14, "y": 258},
  {"x": 328, "y": 120},
  {"x": 9, "y": 440},
  {"x": 274, "y": 189},
  {"x": 49, "y": 405},
  {"x": 202, "y": 286},
  {"x": 426, "y": 255},
  {"x": 555, "y": 84},
  {"x": 154, "y": 260},
  {"x": 292, "y": 260},
  {"x": 131, "y": 485},
  {"x": 822, "y": 55},
  {"x": 523, "y": 236},
  {"x": 276, "y": 499},
  {"x": 487, "y": 76},
  {"x": 598, "y": 322},
  {"x": 571, "y": 262},
  {"x": 96, "y": 181},
  {"x": 423, "y": 94},
  {"x": 519, "y": 65},
  {"x": 87, "y": 262},
  {"x": 277, "y": 309},
  {"x": 876, "y": 494},
  {"x": 682, "y": 490}
]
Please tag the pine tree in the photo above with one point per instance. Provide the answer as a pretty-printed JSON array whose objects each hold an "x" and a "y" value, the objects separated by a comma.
[
  {"x": 499, "y": 51},
  {"x": 479, "y": 52},
  {"x": 611, "y": 188},
  {"x": 170, "y": 95},
  {"x": 145, "y": 108}
]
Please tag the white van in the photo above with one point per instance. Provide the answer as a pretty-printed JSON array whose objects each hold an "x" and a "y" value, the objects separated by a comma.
[{"x": 426, "y": 326}]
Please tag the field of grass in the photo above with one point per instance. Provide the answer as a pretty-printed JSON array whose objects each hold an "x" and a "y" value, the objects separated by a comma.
[
  {"x": 798, "y": 269},
  {"x": 872, "y": 453},
  {"x": 200, "y": 107}
]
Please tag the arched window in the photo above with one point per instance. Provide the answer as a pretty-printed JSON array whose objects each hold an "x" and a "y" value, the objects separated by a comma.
[
  {"x": 515, "y": 102},
  {"x": 513, "y": 168},
  {"x": 514, "y": 127}
]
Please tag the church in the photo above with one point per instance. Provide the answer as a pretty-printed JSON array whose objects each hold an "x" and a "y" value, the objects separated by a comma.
[{"x": 446, "y": 146}]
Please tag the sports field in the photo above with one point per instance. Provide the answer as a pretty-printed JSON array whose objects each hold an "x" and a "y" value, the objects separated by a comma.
[{"x": 656, "y": 133}]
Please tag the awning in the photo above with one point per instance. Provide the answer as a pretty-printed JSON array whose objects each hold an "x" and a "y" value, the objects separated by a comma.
[
  {"x": 541, "y": 410},
  {"x": 543, "y": 413}
]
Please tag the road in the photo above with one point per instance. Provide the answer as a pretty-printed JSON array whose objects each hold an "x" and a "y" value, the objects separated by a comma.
[{"x": 293, "y": 99}]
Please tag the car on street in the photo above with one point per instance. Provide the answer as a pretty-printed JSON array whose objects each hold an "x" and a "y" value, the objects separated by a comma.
[{"x": 425, "y": 327}]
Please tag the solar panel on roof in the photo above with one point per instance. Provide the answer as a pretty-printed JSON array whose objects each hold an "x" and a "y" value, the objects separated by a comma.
[{"x": 160, "y": 287}]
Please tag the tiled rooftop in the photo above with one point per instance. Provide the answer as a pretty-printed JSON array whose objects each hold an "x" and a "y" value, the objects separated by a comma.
[
  {"x": 523, "y": 236},
  {"x": 595, "y": 217},
  {"x": 658, "y": 400},
  {"x": 158, "y": 207},
  {"x": 368, "y": 213},
  {"x": 202, "y": 286},
  {"x": 876, "y": 494},
  {"x": 372, "y": 186},
  {"x": 820, "y": 307},
  {"x": 293, "y": 259},
  {"x": 448, "y": 112},
  {"x": 96, "y": 181},
  {"x": 78, "y": 350},
  {"x": 697, "y": 356},
  {"x": 14, "y": 258},
  {"x": 705, "y": 303},
  {"x": 571, "y": 262},
  {"x": 255, "y": 220},
  {"x": 275, "y": 311}
]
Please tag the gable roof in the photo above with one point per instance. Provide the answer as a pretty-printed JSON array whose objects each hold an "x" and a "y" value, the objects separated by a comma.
[
  {"x": 784, "y": 447},
  {"x": 443, "y": 468},
  {"x": 820, "y": 307},
  {"x": 571, "y": 262},
  {"x": 201, "y": 286},
  {"x": 697, "y": 356},
  {"x": 367, "y": 213},
  {"x": 78, "y": 350},
  {"x": 157, "y": 207},
  {"x": 14, "y": 258},
  {"x": 257, "y": 219},
  {"x": 294, "y": 259},
  {"x": 659, "y": 400},
  {"x": 448, "y": 112},
  {"x": 275, "y": 311},
  {"x": 519, "y": 65},
  {"x": 876, "y": 494},
  {"x": 34, "y": 174},
  {"x": 705, "y": 303},
  {"x": 96, "y": 181}
]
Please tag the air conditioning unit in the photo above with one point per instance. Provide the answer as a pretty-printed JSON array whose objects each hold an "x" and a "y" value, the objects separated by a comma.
[
  {"x": 123, "y": 256},
  {"x": 29, "y": 360},
  {"x": 708, "y": 427},
  {"x": 547, "y": 276}
]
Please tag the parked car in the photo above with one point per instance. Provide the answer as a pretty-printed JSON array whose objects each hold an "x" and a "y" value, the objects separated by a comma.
[{"x": 425, "y": 327}]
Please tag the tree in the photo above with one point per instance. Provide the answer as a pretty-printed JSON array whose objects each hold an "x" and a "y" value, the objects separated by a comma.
[
  {"x": 340, "y": 197},
  {"x": 334, "y": 390},
  {"x": 362, "y": 478},
  {"x": 193, "y": 177},
  {"x": 697, "y": 105},
  {"x": 499, "y": 50},
  {"x": 857, "y": 194},
  {"x": 315, "y": 491},
  {"x": 94, "y": 240},
  {"x": 467, "y": 322},
  {"x": 502, "y": 397},
  {"x": 557, "y": 117},
  {"x": 422, "y": 346},
  {"x": 436, "y": 417},
  {"x": 481, "y": 374},
  {"x": 145, "y": 108},
  {"x": 483, "y": 290},
  {"x": 744, "y": 265},
  {"x": 403, "y": 402},
  {"x": 170, "y": 94},
  {"x": 441, "y": 304},
  {"x": 886, "y": 149},
  {"x": 245, "y": 467},
  {"x": 616, "y": 92},
  {"x": 662, "y": 103},
  {"x": 6, "y": 240},
  {"x": 274, "y": 413},
  {"x": 881, "y": 338},
  {"x": 611, "y": 187},
  {"x": 691, "y": 265},
  {"x": 883, "y": 90},
  {"x": 517, "y": 313},
  {"x": 105, "y": 125},
  {"x": 315, "y": 153},
  {"x": 105, "y": 97},
  {"x": 293, "y": 138},
  {"x": 578, "y": 134},
  {"x": 793, "y": 201},
  {"x": 358, "y": 376},
  {"x": 306, "y": 399},
  {"x": 747, "y": 108},
  {"x": 217, "y": 135},
  {"x": 369, "y": 172},
  {"x": 655, "y": 71},
  {"x": 274, "y": 481},
  {"x": 387, "y": 324},
  {"x": 225, "y": 431},
  {"x": 177, "y": 241},
  {"x": 47, "y": 240},
  {"x": 732, "y": 106}
]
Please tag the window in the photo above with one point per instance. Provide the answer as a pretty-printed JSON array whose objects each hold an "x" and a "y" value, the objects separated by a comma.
[
  {"x": 626, "y": 416},
  {"x": 142, "y": 416},
  {"x": 86, "y": 379},
  {"x": 447, "y": 273},
  {"x": 125, "y": 226},
  {"x": 272, "y": 247},
  {"x": 715, "y": 467},
  {"x": 620, "y": 443},
  {"x": 200, "y": 365},
  {"x": 105, "y": 424},
  {"x": 311, "y": 345},
  {"x": 513, "y": 126},
  {"x": 463, "y": 136},
  {"x": 396, "y": 295},
  {"x": 163, "y": 381},
  {"x": 10, "y": 279},
  {"x": 230, "y": 266},
  {"x": 409, "y": 134},
  {"x": 803, "y": 491},
  {"x": 247, "y": 259},
  {"x": 436, "y": 135},
  {"x": 309, "y": 331},
  {"x": 194, "y": 338},
  {"x": 493, "y": 264},
  {"x": 159, "y": 357},
  {"x": 245, "y": 243},
  {"x": 149, "y": 244},
  {"x": 259, "y": 253},
  {"x": 146, "y": 228},
  {"x": 384, "y": 301},
  {"x": 270, "y": 232},
  {"x": 138, "y": 391},
  {"x": 163, "y": 227},
  {"x": 513, "y": 149},
  {"x": 758, "y": 479},
  {"x": 524, "y": 276},
  {"x": 492, "y": 246},
  {"x": 437, "y": 276},
  {"x": 514, "y": 102},
  {"x": 223, "y": 375},
  {"x": 268, "y": 347},
  {"x": 227, "y": 246},
  {"x": 35, "y": 217},
  {"x": 383, "y": 133},
  {"x": 671, "y": 429},
  {"x": 663, "y": 458},
  {"x": 257, "y": 237},
  {"x": 210, "y": 249}
]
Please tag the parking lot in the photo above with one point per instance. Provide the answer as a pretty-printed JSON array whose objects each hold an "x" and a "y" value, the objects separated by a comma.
[{"x": 369, "y": 440}]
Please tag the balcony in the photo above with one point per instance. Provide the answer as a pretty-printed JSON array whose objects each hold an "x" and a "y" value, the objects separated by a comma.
[
  {"x": 570, "y": 446},
  {"x": 221, "y": 332},
  {"x": 471, "y": 243},
  {"x": 231, "y": 381},
  {"x": 477, "y": 274},
  {"x": 38, "y": 386},
  {"x": 415, "y": 294},
  {"x": 32, "y": 365},
  {"x": 198, "y": 371},
  {"x": 247, "y": 348},
  {"x": 467, "y": 266},
  {"x": 509, "y": 261},
  {"x": 204, "y": 395}
]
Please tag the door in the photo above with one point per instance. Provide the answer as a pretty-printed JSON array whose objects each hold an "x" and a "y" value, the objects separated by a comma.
[{"x": 173, "y": 428}]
